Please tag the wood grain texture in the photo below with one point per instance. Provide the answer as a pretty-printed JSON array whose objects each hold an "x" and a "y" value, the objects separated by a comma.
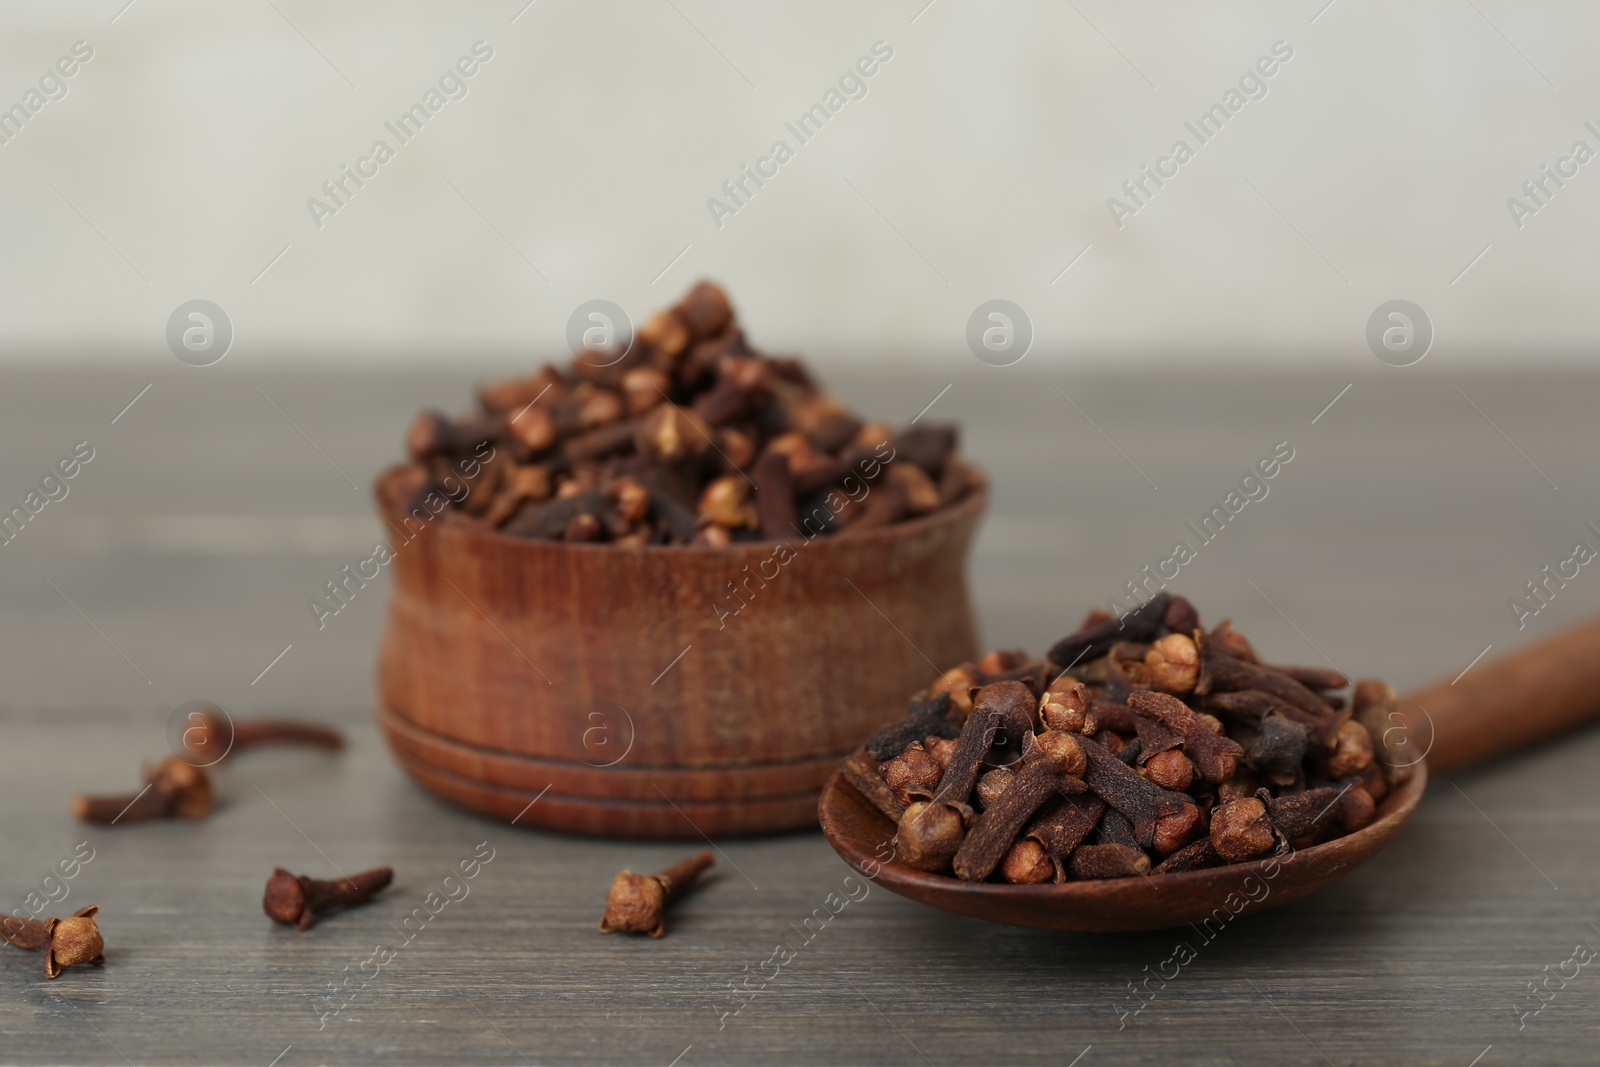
[
  {"x": 1514, "y": 701},
  {"x": 1391, "y": 541},
  {"x": 608, "y": 676}
]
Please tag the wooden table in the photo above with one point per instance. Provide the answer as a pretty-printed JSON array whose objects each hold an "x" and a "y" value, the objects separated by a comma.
[{"x": 179, "y": 566}]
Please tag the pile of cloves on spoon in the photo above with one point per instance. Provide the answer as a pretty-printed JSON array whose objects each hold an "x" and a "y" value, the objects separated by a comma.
[{"x": 1139, "y": 745}]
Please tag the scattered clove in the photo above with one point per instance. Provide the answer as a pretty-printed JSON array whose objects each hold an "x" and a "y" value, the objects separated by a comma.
[
  {"x": 172, "y": 789},
  {"x": 1145, "y": 745},
  {"x": 215, "y": 736},
  {"x": 637, "y": 903},
  {"x": 64, "y": 942},
  {"x": 297, "y": 900}
]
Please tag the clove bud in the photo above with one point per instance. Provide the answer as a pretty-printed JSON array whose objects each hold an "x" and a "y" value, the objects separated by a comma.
[
  {"x": 637, "y": 903},
  {"x": 64, "y": 942},
  {"x": 297, "y": 901},
  {"x": 1241, "y": 830},
  {"x": 173, "y": 789},
  {"x": 1027, "y": 863},
  {"x": 930, "y": 834},
  {"x": 913, "y": 773},
  {"x": 215, "y": 736}
]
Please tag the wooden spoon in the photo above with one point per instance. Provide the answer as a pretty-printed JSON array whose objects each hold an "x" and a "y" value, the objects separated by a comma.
[{"x": 1495, "y": 709}]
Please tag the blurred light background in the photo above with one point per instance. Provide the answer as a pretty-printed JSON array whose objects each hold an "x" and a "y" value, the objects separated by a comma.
[
  {"x": 575, "y": 163},
  {"x": 978, "y": 164}
]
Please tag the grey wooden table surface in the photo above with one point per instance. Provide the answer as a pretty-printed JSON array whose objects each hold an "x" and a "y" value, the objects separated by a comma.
[{"x": 179, "y": 565}]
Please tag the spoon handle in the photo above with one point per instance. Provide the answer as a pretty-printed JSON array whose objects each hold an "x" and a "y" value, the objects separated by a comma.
[{"x": 1512, "y": 702}]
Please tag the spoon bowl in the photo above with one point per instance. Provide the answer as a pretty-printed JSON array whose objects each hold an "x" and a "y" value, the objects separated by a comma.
[
  {"x": 1498, "y": 708},
  {"x": 863, "y": 835}
]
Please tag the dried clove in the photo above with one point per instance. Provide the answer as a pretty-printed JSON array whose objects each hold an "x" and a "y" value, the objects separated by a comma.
[
  {"x": 297, "y": 901},
  {"x": 1144, "y": 803},
  {"x": 1002, "y": 714},
  {"x": 959, "y": 683},
  {"x": 1316, "y": 677},
  {"x": 861, "y": 771},
  {"x": 1241, "y": 830},
  {"x": 1229, "y": 674},
  {"x": 1170, "y": 770},
  {"x": 172, "y": 789},
  {"x": 1279, "y": 749},
  {"x": 1356, "y": 809},
  {"x": 923, "y": 717},
  {"x": 1173, "y": 664},
  {"x": 1214, "y": 755},
  {"x": 1065, "y": 706},
  {"x": 1397, "y": 748},
  {"x": 1250, "y": 707},
  {"x": 913, "y": 774},
  {"x": 1181, "y": 616},
  {"x": 1195, "y": 856},
  {"x": 1352, "y": 751},
  {"x": 1050, "y": 766},
  {"x": 1026, "y": 863},
  {"x": 1115, "y": 829},
  {"x": 215, "y": 736},
  {"x": 1095, "y": 639},
  {"x": 64, "y": 942},
  {"x": 940, "y": 748},
  {"x": 990, "y": 785},
  {"x": 1063, "y": 824},
  {"x": 931, "y": 833},
  {"x": 1305, "y": 814},
  {"x": 689, "y": 402},
  {"x": 1153, "y": 740},
  {"x": 1109, "y": 861},
  {"x": 927, "y": 446},
  {"x": 551, "y": 520},
  {"x": 637, "y": 903}
]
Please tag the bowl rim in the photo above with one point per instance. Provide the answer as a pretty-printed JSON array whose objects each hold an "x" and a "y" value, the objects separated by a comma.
[{"x": 972, "y": 504}]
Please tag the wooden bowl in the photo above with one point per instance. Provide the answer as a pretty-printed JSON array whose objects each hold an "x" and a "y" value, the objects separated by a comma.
[{"x": 617, "y": 687}]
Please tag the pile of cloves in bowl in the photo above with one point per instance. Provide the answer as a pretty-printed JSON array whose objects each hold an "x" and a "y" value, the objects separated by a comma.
[
  {"x": 1139, "y": 745},
  {"x": 689, "y": 436}
]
